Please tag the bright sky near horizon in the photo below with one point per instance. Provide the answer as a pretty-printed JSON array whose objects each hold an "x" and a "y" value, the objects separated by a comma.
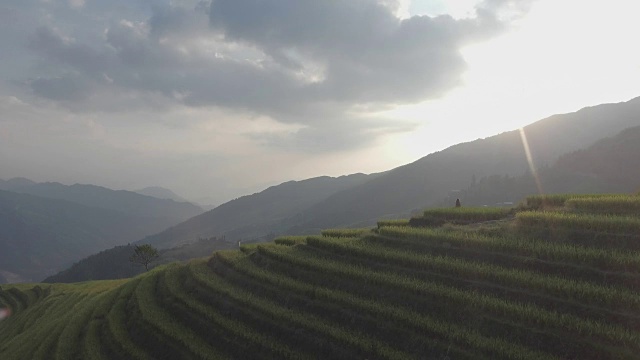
[{"x": 214, "y": 100}]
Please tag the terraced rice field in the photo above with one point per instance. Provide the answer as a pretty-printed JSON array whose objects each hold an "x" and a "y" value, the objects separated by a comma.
[
  {"x": 469, "y": 214},
  {"x": 394, "y": 292}
]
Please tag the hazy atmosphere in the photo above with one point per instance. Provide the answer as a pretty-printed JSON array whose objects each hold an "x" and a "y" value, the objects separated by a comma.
[{"x": 218, "y": 99}]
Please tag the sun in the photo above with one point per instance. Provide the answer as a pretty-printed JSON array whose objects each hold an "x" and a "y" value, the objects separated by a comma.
[{"x": 560, "y": 57}]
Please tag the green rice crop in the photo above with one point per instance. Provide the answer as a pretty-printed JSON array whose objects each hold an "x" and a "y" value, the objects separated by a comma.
[
  {"x": 345, "y": 233},
  {"x": 615, "y": 298},
  {"x": 20, "y": 299},
  {"x": 92, "y": 348},
  {"x": 445, "y": 310},
  {"x": 117, "y": 319},
  {"x": 69, "y": 339},
  {"x": 539, "y": 202},
  {"x": 26, "y": 321},
  {"x": 6, "y": 299},
  {"x": 605, "y": 259},
  {"x": 93, "y": 345},
  {"x": 583, "y": 222},
  {"x": 628, "y": 205},
  {"x": 307, "y": 321},
  {"x": 393, "y": 222},
  {"x": 527, "y": 313},
  {"x": 568, "y": 288},
  {"x": 463, "y": 215},
  {"x": 453, "y": 333},
  {"x": 231, "y": 327},
  {"x": 45, "y": 348},
  {"x": 290, "y": 240},
  {"x": 48, "y": 332},
  {"x": 249, "y": 248},
  {"x": 155, "y": 315}
]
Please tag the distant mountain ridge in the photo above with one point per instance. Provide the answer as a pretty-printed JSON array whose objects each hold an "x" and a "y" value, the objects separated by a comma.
[
  {"x": 161, "y": 193},
  {"x": 424, "y": 183},
  {"x": 114, "y": 263},
  {"x": 41, "y": 236},
  {"x": 611, "y": 165},
  {"x": 217, "y": 229},
  {"x": 45, "y": 227},
  {"x": 127, "y": 202},
  {"x": 15, "y": 183},
  {"x": 258, "y": 214}
]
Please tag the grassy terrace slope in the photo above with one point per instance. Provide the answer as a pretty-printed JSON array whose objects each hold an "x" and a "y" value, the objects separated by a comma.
[{"x": 558, "y": 278}]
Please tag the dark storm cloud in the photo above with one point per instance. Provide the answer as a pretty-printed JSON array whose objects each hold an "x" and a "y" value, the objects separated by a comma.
[{"x": 298, "y": 61}]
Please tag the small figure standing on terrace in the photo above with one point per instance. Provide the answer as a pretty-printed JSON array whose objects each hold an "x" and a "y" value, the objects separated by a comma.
[{"x": 458, "y": 203}]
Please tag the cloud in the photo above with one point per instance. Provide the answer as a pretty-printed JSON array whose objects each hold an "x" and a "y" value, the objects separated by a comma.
[
  {"x": 307, "y": 62},
  {"x": 76, "y": 3},
  {"x": 364, "y": 52},
  {"x": 336, "y": 134},
  {"x": 68, "y": 88}
]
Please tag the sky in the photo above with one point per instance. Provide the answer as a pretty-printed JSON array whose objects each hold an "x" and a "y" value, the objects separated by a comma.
[{"x": 218, "y": 99}]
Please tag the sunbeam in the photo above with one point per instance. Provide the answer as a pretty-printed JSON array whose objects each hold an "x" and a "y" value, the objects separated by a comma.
[{"x": 532, "y": 167}]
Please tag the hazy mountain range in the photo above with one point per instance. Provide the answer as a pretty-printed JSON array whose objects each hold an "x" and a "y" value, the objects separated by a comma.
[
  {"x": 396, "y": 193},
  {"x": 611, "y": 165},
  {"x": 161, "y": 193},
  {"x": 45, "y": 227},
  {"x": 257, "y": 215},
  {"x": 127, "y": 202},
  {"x": 585, "y": 151},
  {"x": 426, "y": 181},
  {"x": 566, "y": 149}
]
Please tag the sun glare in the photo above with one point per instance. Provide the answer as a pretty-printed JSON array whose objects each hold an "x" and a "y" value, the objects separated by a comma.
[
  {"x": 532, "y": 166},
  {"x": 561, "y": 57}
]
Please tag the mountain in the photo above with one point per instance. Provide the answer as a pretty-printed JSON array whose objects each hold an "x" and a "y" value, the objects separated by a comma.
[
  {"x": 127, "y": 202},
  {"x": 41, "y": 236},
  {"x": 426, "y": 181},
  {"x": 499, "y": 162},
  {"x": 114, "y": 263},
  {"x": 160, "y": 193},
  {"x": 249, "y": 218},
  {"x": 256, "y": 215},
  {"x": 611, "y": 165},
  {"x": 15, "y": 183}
]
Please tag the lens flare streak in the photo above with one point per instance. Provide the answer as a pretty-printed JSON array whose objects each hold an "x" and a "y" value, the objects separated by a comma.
[{"x": 532, "y": 167}]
